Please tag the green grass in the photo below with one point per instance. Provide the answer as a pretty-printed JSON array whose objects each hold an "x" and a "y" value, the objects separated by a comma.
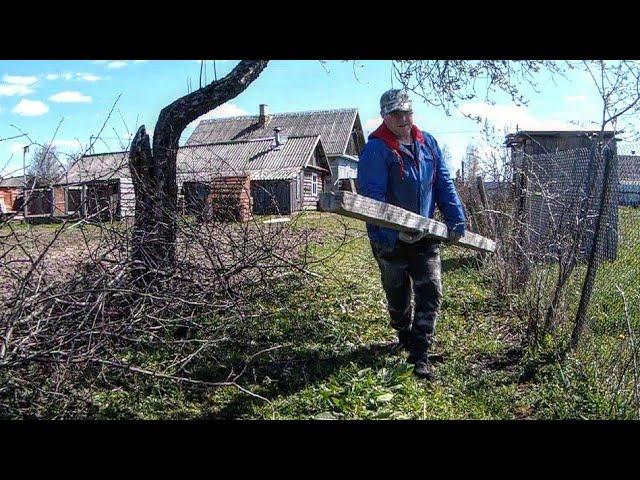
[{"x": 333, "y": 360}]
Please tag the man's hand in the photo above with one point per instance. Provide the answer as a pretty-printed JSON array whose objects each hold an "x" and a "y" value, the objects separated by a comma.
[
  {"x": 454, "y": 237},
  {"x": 411, "y": 237}
]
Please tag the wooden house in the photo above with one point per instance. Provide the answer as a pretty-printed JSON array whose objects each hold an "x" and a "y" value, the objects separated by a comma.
[
  {"x": 284, "y": 161},
  {"x": 340, "y": 131},
  {"x": 286, "y": 174}
]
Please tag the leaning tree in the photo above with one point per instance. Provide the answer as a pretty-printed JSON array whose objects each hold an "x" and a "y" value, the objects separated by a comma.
[{"x": 153, "y": 169}]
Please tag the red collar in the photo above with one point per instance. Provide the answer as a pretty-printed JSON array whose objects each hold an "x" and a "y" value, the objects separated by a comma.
[{"x": 391, "y": 141}]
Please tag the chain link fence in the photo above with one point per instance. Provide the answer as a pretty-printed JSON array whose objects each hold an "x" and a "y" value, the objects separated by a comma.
[{"x": 567, "y": 224}]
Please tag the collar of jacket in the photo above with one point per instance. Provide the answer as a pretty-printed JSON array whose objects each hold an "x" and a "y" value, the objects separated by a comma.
[{"x": 391, "y": 141}]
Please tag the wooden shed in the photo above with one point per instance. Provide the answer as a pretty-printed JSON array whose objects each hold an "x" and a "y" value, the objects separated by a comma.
[
  {"x": 558, "y": 177},
  {"x": 100, "y": 185},
  {"x": 11, "y": 193}
]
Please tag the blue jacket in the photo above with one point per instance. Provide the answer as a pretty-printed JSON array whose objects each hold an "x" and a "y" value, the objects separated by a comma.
[{"x": 388, "y": 172}]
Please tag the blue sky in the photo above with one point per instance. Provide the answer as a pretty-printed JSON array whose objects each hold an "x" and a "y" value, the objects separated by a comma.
[{"x": 75, "y": 97}]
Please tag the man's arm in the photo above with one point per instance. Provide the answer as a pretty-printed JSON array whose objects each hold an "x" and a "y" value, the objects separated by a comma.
[
  {"x": 372, "y": 172},
  {"x": 447, "y": 198}
]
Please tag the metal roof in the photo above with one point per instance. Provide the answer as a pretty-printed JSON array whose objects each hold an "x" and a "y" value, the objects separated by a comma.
[
  {"x": 555, "y": 133},
  {"x": 333, "y": 126},
  {"x": 258, "y": 157},
  {"x": 101, "y": 166},
  {"x": 12, "y": 182},
  {"x": 512, "y": 138}
]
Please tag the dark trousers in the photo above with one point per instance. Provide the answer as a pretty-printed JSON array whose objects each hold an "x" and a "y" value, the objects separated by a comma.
[{"x": 412, "y": 269}]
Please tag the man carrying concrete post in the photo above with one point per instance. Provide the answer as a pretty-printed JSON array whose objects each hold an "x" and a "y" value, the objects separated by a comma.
[{"x": 403, "y": 166}]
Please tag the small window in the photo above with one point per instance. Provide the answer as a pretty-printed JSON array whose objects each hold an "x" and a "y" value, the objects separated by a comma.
[{"x": 314, "y": 184}]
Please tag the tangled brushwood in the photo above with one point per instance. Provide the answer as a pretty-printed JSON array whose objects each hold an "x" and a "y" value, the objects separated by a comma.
[{"x": 73, "y": 311}]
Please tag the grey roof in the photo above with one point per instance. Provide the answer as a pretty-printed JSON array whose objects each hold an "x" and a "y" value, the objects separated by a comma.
[
  {"x": 200, "y": 162},
  {"x": 555, "y": 133},
  {"x": 255, "y": 157},
  {"x": 520, "y": 134},
  {"x": 334, "y": 127},
  {"x": 101, "y": 166},
  {"x": 12, "y": 182}
]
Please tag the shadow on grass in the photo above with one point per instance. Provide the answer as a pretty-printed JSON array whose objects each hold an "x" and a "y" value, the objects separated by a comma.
[
  {"x": 304, "y": 369},
  {"x": 459, "y": 262}
]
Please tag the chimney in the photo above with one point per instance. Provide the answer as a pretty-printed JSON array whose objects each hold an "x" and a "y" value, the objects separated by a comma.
[
  {"x": 276, "y": 138},
  {"x": 264, "y": 118}
]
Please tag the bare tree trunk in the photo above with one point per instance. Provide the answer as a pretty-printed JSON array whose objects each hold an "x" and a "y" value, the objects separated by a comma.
[{"x": 154, "y": 172}]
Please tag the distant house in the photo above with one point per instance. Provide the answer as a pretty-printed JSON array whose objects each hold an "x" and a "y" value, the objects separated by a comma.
[
  {"x": 629, "y": 177},
  {"x": 340, "y": 132},
  {"x": 283, "y": 161},
  {"x": 10, "y": 194},
  {"x": 286, "y": 174},
  {"x": 97, "y": 185}
]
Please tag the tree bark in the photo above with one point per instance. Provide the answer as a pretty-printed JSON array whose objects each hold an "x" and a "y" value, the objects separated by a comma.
[{"x": 154, "y": 171}]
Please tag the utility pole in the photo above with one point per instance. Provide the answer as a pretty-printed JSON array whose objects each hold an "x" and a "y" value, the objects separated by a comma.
[{"x": 25, "y": 149}]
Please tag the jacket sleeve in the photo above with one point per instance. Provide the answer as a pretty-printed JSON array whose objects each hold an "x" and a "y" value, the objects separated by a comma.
[
  {"x": 373, "y": 172},
  {"x": 446, "y": 195}
]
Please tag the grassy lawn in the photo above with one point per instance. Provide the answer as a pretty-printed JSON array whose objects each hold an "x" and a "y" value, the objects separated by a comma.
[
  {"x": 334, "y": 360},
  {"x": 328, "y": 354}
]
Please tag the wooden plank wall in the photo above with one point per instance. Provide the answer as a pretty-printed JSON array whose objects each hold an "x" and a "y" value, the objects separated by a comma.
[
  {"x": 231, "y": 197},
  {"x": 9, "y": 195},
  {"x": 309, "y": 200},
  {"x": 59, "y": 201}
]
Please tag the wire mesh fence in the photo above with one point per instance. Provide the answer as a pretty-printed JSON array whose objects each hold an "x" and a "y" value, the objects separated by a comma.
[{"x": 568, "y": 225}]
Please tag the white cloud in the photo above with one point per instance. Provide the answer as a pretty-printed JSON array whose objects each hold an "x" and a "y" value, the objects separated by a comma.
[
  {"x": 68, "y": 144},
  {"x": 70, "y": 97},
  {"x": 52, "y": 76},
  {"x": 372, "y": 123},
  {"x": 508, "y": 117},
  {"x": 140, "y": 61},
  {"x": 88, "y": 77},
  {"x": 16, "y": 147},
  {"x": 8, "y": 90},
  {"x": 116, "y": 64},
  {"x": 576, "y": 98},
  {"x": 224, "y": 110},
  {"x": 18, "y": 80},
  {"x": 30, "y": 108},
  {"x": 100, "y": 61},
  {"x": 67, "y": 75}
]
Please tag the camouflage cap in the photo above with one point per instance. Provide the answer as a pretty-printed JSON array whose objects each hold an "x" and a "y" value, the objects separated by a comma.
[{"x": 393, "y": 100}]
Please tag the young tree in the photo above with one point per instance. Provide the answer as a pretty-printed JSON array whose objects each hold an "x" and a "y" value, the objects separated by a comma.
[
  {"x": 45, "y": 165},
  {"x": 446, "y": 155}
]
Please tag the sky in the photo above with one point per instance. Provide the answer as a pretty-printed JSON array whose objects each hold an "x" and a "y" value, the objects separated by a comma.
[{"x": 68, "y": 102}]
